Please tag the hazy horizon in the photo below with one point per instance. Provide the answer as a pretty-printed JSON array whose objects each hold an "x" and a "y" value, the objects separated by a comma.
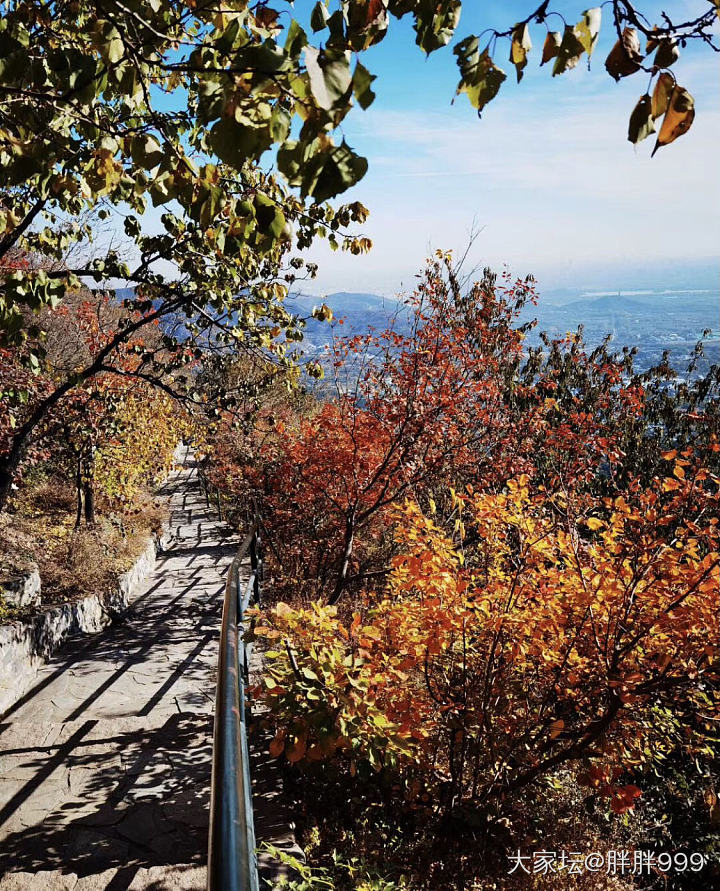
[
  {"x": 547, "y": 175},
  {"x": 585, "y": 280}
]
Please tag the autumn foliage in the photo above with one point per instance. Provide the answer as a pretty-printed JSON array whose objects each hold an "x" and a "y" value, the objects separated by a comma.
[
  {"x": 493, "y": 562},
  {"x": 555, "y": 638},
  {"x": 110, "y": 434},
  {"x": 448, "y": 400}
]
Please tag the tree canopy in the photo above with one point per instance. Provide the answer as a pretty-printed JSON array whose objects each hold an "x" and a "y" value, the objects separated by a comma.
[
  {"x": 228, "y": 121},
  {"x": 496, "y": 574},
  {"x": 173, "y": 103}
]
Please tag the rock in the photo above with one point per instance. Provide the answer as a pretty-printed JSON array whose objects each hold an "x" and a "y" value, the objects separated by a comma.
[{"x": 23, "y": 589}]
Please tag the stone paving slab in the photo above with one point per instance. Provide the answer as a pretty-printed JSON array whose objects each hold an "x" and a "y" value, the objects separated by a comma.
[{"x": 105, "y": 762}]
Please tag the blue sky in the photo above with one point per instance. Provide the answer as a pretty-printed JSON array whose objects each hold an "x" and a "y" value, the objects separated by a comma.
[{"x": 547, "y": 173}]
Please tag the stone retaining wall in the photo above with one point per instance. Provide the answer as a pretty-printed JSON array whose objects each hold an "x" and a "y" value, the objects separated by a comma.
[
  {"x": 22, "y": 589},
  {"x": 24, "y": 646}
]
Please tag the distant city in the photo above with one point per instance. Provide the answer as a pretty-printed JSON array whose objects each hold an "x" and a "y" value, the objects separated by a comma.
[{"x": 650, "y": 320}]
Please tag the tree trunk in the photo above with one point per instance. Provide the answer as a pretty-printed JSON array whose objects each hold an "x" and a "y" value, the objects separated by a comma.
[
  {"x": 7, "y": 472},
  {"x": 89, "y": 492},
  {"x": 79, "y": 492},
  {"x": 89, "y": 487},
  {"x": 347, "y": 554}
]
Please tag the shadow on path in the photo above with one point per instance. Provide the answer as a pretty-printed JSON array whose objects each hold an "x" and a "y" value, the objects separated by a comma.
[{"x": 105, "y": 763}]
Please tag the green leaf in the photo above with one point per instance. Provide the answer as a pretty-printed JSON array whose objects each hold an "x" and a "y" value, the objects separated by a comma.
[
  {"x": 237, "y": 141},
  {"x": 341, "y": 168},
  {"x": 329, "y": 74},
  {"x": 113, "y": 48},
  {"x": 481, "y": 78},
  {"x": 132, "y": 226},
  {"x": 280, "y": 122},
  {"x": 361, "y": 81},
  {"x": 296, "y": 40},
  {"x": 319, "y": 17},
  {"x": 435, "y": 23},
  {"x": 147, "y": 151},
  {"x": 320, "y": 171}
]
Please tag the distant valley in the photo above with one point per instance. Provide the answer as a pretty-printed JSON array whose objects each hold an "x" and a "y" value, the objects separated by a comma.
[{"x": 650, "y": 320}]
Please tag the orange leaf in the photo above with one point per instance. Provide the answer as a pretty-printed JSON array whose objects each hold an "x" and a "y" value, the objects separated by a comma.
[
  {"x": 556, "y": 728},
  {"x": 277, "y": 745},
  {"x": 295, "y": 751},
  {"x": 678, "y": 117}
]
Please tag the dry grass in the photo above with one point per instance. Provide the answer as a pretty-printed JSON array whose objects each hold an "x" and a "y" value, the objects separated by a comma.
[{"x": 73, "y": 563}]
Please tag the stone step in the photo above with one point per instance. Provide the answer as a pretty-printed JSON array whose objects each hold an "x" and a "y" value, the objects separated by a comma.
[
  {"x": 99, "y": 794},
  {"x": 157, "y": 878}
]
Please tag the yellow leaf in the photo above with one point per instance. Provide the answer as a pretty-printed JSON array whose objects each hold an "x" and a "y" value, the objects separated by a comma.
[
  {"x": 588, "y": 28},
  {"x": 593, "y": 523},
  {"x": 521, "y": 46}
]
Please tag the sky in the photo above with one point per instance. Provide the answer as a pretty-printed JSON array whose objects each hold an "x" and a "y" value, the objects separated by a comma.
[{"x": 546, "y": 176}]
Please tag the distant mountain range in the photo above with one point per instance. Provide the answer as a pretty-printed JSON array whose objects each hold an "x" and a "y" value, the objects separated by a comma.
[
  {"x": 359, "y": 313},
  {"x": 609, "y": 304},
  {"x": 348, "y": 301},
  {"x": 652, "y": 308},
  {"x": 650, "y": 321}
]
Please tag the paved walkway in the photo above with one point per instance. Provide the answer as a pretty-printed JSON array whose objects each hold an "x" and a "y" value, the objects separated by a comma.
[{"x": 105, "y": 763}]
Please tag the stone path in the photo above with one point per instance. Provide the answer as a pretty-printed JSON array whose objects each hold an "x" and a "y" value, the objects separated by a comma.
[{"x": 105, "y": 762}]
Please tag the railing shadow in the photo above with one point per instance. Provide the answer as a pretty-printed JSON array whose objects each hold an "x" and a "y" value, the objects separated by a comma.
[{"x": 151, "y": 811}]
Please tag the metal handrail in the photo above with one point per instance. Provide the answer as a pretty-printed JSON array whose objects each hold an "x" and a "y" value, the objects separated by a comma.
[{"x": 232, "y": 862}]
